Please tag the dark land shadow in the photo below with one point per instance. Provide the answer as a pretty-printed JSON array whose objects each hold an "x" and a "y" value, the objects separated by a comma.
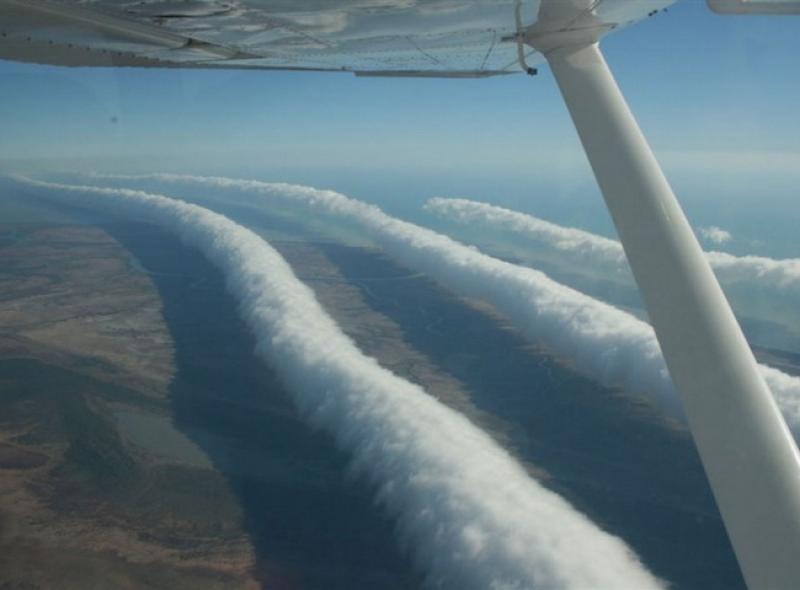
[
  {"x": 313, "y": 527},
  {"x": 311, "y": 524},
  {"x": 614, "y": 459}
]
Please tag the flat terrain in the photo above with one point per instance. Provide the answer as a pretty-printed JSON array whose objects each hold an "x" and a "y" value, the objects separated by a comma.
[
  {"x": 142, "y": 445},
  {"x": 83, "y": 337}
]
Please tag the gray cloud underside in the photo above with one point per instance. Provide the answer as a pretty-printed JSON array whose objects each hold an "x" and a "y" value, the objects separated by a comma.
[{"x": 472, "y": 516}]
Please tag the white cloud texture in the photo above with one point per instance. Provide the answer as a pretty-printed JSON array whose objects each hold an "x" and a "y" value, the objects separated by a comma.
[
  {"x": 567, "y": 239},
  {"x": 608, "y": 344},
  {"x": 470, "y": 514},
  {"x": 714, "y": 234},
  {"x": 598, "y": 249}
]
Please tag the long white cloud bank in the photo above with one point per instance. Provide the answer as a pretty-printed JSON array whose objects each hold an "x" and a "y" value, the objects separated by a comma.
[
  {"x": 595, "y": 249},
  {"x": 606, "y": 343},
  {"x": 473, "y": 516}
]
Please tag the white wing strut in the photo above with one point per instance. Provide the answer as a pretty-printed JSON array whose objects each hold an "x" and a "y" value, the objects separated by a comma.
[{"x": 749, "y": 456}]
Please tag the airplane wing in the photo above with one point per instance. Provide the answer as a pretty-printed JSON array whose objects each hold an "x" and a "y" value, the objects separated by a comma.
[{"x": 449, "y": 38}]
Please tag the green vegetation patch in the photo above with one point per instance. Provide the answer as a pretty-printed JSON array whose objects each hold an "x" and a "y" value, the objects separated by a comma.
[{"x": 96, "y": 451}]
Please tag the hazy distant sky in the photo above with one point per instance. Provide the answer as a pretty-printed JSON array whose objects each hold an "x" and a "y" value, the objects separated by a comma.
[
  {"x": 716, "y": 96},
  {"x": 696, "y": 81}
]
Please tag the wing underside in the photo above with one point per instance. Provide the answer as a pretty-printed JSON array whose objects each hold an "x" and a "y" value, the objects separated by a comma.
[{"x": 453, "y": 38}]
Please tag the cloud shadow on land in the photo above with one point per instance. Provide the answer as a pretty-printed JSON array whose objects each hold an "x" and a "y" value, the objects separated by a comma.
[
  {"x": 472, "y": 517},
  {"x": 617, "y": 462},
  {"x": 312, "y": 525}
]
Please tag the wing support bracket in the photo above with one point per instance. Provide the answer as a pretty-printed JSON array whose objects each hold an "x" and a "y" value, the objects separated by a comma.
[
  {"x": 748, "y": 453},
  {"x": 519, "y": 38}
]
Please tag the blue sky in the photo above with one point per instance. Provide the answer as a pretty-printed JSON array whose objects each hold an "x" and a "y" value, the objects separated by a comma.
[{"x": 716, "y": 96}]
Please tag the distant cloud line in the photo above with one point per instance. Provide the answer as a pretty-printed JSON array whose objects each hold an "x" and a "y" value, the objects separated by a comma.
[
  {"x": 567, "y": 239},
  {"x": 473, "y": 517},
  {"x": 715, "y": 234},
  {"x": 597, "y": 249},
  {"x": 610, "y": 345}
]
